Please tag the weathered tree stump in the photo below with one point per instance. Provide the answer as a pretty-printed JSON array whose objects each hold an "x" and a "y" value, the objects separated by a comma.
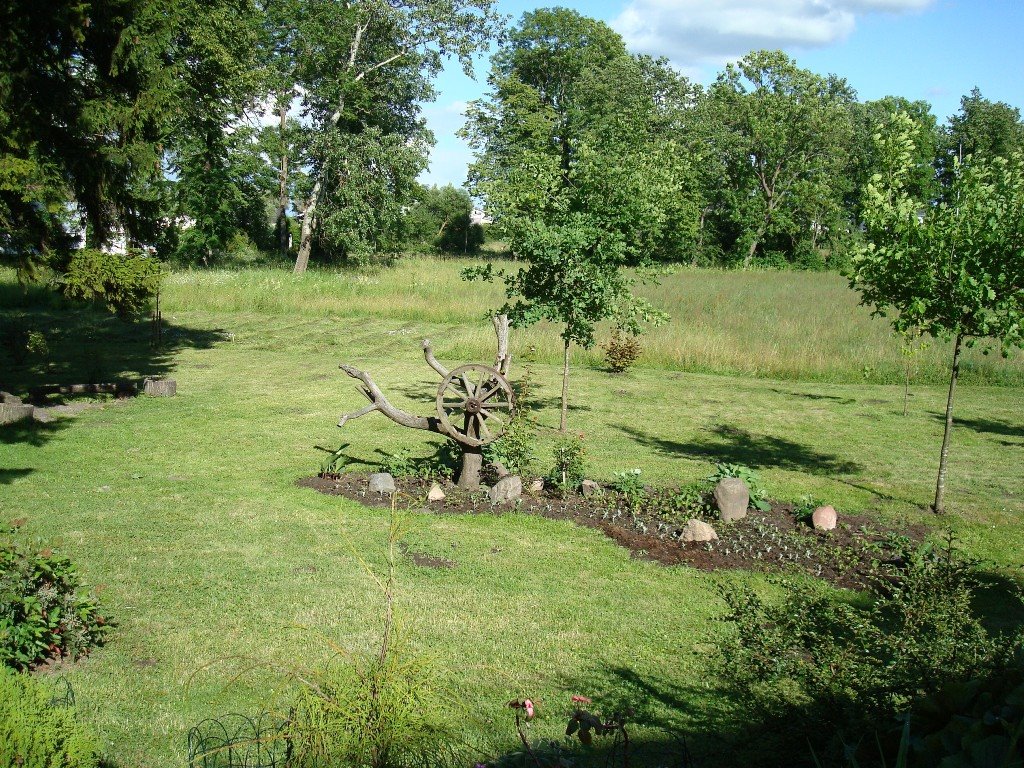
[
  {"x": 473, "y": 404},
  {"x": 160, "y": 387}
]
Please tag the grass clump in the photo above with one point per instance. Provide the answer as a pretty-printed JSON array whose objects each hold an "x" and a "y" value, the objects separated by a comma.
[{"x": 37, "y": 733}]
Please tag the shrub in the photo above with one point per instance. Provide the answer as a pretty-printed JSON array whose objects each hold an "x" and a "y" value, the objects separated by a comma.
[
  {"x": 376, "y": 709},
  {"x": 43, "y": 614},
  {"x": 570, "y": 468},
  {"x": 34, "y": 733},
  {"x": 825, "y": 666},
  {"x": 631, "y": 486},
  {"x": 125, "y": 284},
  {"x": 20, "y": 340},
  {"x": 515, "y": 448},
  {"x": 622, "y": 351}
]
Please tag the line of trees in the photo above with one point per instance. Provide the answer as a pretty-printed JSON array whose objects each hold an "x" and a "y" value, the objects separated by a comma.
[{"x": 148, "y": 120}]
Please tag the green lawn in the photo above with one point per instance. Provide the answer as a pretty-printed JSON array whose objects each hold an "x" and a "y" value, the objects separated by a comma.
[{"x": 186, "y": 509}]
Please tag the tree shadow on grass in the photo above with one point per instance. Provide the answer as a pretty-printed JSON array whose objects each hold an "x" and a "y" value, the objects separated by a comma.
[
  {"x": 8, "y": 476},
  {"x": 85, "y": 346},
  {"x": 732, "y": 445},
  {"x": 812, "y": 396},
  {"x": 31, "y": 432},
  {"x": 986, "y": 426}
]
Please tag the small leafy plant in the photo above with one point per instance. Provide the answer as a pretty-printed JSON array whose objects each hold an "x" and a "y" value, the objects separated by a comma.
[
  {"x": 570, "y": 467},
  {"x": 758, "y": 498},
  {"x": 335, "y": 462},
  {"x": 43, "y": 613},
  {"x": 515, "y": 448},
  {"x": 631, "y": 486},
  {"x": 622, "y": 351}
]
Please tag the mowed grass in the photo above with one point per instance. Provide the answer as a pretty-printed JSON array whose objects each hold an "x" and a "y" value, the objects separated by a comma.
[{"x": 185, "y": 510}]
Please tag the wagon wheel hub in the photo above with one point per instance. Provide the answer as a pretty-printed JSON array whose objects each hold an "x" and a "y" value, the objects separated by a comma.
[{"x": 474, "y": 404}]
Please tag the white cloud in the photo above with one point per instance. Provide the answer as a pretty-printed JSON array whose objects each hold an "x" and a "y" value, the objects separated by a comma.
[{"x": 698, "y": 32}]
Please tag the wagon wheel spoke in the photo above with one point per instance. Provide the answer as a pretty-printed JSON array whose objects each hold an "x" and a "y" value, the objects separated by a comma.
[
  {"x": 481, "y": 421},
  {"x": 470, "y": 389},
  {"x": 491, "y": 392}
]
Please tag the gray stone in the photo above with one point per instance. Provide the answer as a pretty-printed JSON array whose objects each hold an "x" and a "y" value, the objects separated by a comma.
[
  {"x": 732, "y": 497},
  {"x": 435, "y": 494},
  {"x": 10, "y": 412},
  {"x": 7, "y": 397},
  {"x": 824, "y": 518},
  {"x": 537, "y": 486},
  {"x": 160, "y": 387},
  {"x": 381, "y": 482},
  {"x": 509, "y": 488},
  {"x": 590, "y": 488},
  {"x": 42, "y": 415},
  {"x": 697, "y": 530}
]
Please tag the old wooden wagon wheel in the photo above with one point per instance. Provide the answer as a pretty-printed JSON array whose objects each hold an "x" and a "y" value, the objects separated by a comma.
[{"x": 474, "y": 403}]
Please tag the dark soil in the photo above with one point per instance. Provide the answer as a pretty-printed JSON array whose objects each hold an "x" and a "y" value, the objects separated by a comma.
[{"x": 773, "y": 540}]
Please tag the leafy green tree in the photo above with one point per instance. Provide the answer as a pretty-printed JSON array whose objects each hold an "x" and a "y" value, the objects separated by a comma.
[
  {"x": 785, "y": 136},
  {"x": 441, "y": 218},
  {"x": 78, "y": 132},
  {"x": 873, "y": 117},
  {"x": 953, "y": 269},
  {"x": 363, "y": 68},
  {"x": 570, "y": 170},
  {"x": 981, "y": 128}
]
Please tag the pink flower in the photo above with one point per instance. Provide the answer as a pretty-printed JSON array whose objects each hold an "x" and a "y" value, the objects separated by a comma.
[{"x": 528, "y": 706}]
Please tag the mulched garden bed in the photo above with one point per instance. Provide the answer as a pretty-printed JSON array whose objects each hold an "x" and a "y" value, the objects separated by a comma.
[{"x": 774, "y": 540}]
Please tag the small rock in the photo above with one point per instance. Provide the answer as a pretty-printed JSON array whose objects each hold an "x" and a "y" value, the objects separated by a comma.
[
  {"x": 697, "y": 530},
  {"x": 509, "y": 488},
  {"x": 42, "y": 415},
  {"x": 732, "y": 497},
  {"x": 11, "y": 412},
  {"x": 103, "y": 488},
  {"x": 381, "y": 482},
  {"x": 160, "y": 387},
  {"x": 824, "y": 518},
  {"x": 537, "y": 486},
  {"x": 435, "y": 494},
  {"x": 590, "y": 488},
  {"x": 497, "y": 469},
  {"x": 7, "y": 397}
]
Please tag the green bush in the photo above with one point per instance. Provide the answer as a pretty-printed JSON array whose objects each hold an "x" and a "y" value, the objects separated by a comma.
[
  {"x": 570, "y": 468},
  {"x": 835, "y": 672},
  {"x": 43, "y": 615},
  {"x": 631, "y": 485},
  {"x": 125, "y": 284},
  {"x": 515, "y": 448},
  {"x": 622, "y": 351},
  {"x": 36, "y": 733}
]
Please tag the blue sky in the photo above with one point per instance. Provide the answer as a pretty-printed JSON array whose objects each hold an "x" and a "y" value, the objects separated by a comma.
[{"x": 936, "y": 50}]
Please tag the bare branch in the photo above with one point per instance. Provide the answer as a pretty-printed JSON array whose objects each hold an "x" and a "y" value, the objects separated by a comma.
[
  {"x": 428, "y": 354},
  {"x": 380, "y": 403},
  {"x": 356, "y": 414}
]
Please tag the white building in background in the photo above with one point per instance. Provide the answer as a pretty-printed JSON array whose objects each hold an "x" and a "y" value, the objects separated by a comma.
[{"x": 478, "y": 216}]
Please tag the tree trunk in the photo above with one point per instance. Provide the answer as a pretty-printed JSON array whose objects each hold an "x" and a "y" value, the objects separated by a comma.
[
  {"x": 749, "y": 258},
  {"x": 939, "y": 507},
  {"x": 906, "y": 390},
  {"x": 472, "y": 463},
  {"x": 306, "y": 238},
  {"x": 565, "y": 388},
  {"x": 282, "y": 192}
]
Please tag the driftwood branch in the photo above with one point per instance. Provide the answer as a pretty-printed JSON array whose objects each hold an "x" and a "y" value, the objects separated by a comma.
[
  {"x": 378, "y": 402},
  {"x": 428, "y": 355},
  {"x": 504, "y": 358}
]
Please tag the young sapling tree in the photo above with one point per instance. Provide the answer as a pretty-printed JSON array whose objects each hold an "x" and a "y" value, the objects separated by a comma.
[{"x": 954, "y": 268}]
